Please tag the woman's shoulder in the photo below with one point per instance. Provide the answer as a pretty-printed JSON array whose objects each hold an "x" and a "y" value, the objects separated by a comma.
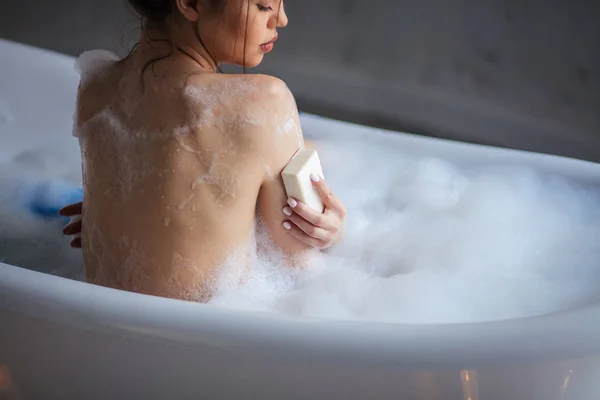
[
  {"x": 265, "y": 94},
  {"x": 246, "y": 89},
  {"x": 94, "y": 90},
  {"x": 264, "y": 83},
  {"x": 268, "y": 88},
  {"x": 258, "y": 108},
  {"x": 255, "y": 99}
]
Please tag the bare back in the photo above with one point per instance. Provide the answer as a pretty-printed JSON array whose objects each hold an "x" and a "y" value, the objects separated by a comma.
[{"x": 173, "y": 171}]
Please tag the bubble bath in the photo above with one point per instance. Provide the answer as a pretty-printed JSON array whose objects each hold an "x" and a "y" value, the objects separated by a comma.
[
  {"x": 429, "y": 242},
  {"x": 428, "y": 239}
]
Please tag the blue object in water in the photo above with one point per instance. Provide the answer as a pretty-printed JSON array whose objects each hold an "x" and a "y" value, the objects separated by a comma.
[{"x": 47, "y": 198}]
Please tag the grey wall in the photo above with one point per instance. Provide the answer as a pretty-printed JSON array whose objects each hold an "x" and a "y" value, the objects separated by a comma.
[{"x": 514, "y": 73}]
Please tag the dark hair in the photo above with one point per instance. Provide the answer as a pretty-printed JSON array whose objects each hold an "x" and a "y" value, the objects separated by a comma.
[
  {"x": 154, "y": 15},
  {"x": 155, "y": 12}
]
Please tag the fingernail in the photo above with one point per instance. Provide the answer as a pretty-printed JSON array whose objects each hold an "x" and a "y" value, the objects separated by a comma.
[
  {"x": 315, "y": 178},
  {"x": 287, "y": 225},
  {"x": 292, "y": 203},
  {"x": 287, "y": 211}
]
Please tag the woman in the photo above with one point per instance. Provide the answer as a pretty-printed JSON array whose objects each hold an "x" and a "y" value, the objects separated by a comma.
[{"x": 179, "y": 160}]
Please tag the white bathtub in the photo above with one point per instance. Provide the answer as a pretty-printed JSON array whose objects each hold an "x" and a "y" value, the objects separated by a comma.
[{"x": 61, "y": 338}]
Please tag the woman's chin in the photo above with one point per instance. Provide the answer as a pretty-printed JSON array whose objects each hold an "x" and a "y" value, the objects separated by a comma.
[
  {"x": 254, "y": 62},
  {"x": 251, "y": 62}
]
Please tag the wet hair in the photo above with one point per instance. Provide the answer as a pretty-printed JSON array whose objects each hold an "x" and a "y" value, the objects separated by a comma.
[
  {"x": 153, "y": 11},
  {"x": 154, "y": 17},
  {"x": 156, "y": 12}
]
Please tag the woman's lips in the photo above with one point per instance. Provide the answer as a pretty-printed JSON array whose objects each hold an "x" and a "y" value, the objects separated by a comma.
[{"x": 267, "y": 47}]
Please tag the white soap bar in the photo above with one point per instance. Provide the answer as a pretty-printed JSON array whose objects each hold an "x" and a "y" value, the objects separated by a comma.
[{"x": 296, "y": 178}]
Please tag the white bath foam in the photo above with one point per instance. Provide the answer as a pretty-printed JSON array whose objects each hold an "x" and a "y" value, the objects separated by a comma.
[
  {"x": 427, "y": 242},
  {"x": 92, "y": 62}
]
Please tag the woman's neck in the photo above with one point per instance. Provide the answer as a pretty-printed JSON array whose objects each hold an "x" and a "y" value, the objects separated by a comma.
[{"x": 181, "y": 42}]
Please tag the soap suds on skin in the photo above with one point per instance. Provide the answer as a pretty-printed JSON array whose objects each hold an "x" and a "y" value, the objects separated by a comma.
[
  {"x": 93, "y": 62},
  {"x": 268, "y": 170},
  {"x": 291, "y": 128},
  {"x": 205, "y": 104},
  {"x": 111, "y": 132},
  {"x": 218, "y": 174},
  {"x": 289, "y": 125}
]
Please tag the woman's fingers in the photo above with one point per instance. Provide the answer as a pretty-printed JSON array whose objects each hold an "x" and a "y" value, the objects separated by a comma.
[
  {"x": 76, "y": 243},
  {"x": 329, "y": 199},
  {"x": 305, "y": 226},
  {"x": 71, "y": 210},
  {"x": 301, "y": 236},
  {"x": 310, "y": 215},
  {"x": 73, "y": 228},
  {"x": 319, "y": 230}
]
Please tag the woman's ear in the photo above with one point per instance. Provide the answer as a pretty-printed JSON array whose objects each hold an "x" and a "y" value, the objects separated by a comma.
[{"x": 189, "y": 9}]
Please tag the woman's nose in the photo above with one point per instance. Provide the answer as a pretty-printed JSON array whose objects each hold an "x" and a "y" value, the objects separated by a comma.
[{"x": 282, "y": 19}]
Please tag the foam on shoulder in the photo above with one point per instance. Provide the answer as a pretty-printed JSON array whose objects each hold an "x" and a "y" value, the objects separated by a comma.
[
  {"x": 92, "y": 62},
  {"x": 221, "y": 104}
]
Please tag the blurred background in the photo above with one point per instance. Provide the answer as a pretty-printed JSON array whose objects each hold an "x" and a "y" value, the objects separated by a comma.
[{"x": 521, "y": 74}]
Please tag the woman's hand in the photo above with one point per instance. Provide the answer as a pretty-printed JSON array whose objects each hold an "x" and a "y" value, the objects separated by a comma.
[
  {"x": 74, "y": 227},
  {"x": 311, "y": 227}
]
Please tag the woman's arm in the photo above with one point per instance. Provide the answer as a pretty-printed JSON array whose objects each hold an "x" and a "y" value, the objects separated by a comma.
[
  {"x": 293, "y": 226},
  {"x": 278, "y": 141}
]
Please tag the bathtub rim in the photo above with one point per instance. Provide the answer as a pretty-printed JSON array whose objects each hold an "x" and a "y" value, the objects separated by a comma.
[{"x": 51, "y": 299}]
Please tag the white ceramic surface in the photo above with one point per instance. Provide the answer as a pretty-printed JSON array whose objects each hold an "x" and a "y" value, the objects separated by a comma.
[{"x": 61, "y": 338}]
